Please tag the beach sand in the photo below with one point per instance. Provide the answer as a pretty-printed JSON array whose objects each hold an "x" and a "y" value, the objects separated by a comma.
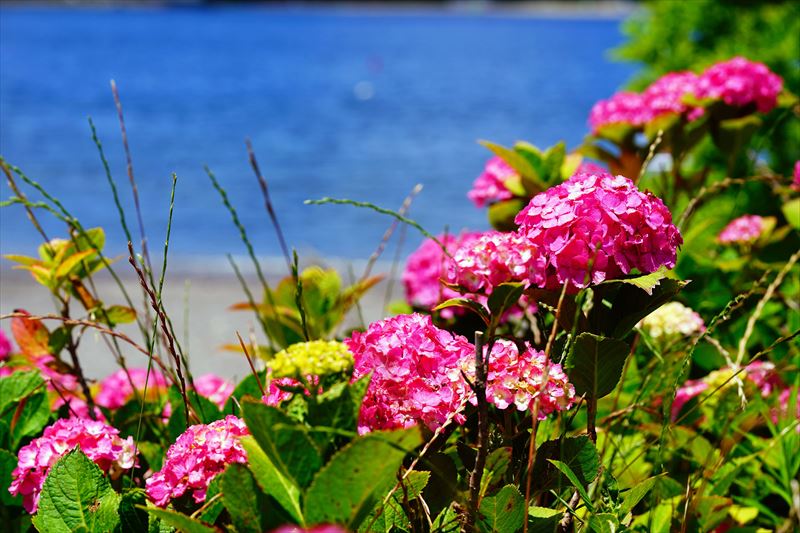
[{"x": 211, "y": 325}]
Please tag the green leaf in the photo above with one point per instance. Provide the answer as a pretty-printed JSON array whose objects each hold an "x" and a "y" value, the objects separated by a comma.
[
  {"x": 181, "y": 522},
  {"x": 240, "y": 495},
  {"x": 502, "y": 214},
  {"x": 17, "y": 386},
  {"x": 284, "y": 441},
  {"x": 92, "y": 238},
  {"x": 33, "y": 417},
  {"x": 8, "y": 462},
  {"x": 211, "y": 512},
  {"x": 604, "y": 523},
  {"x": 635, "y": 495},
  {"x": 630, "y": 304},
  {"x": 543, "y": 519},
  {"x": 271, "y": 481},
  {"x": 465, "y": 303},
  {"x": 573, "y": 478},
  {"x": 118, "y": 314},
  {"x": 392, "y": 516},
  {"x": 594, "y": 365},
  {"x": 357, "y": 477},
  {"x": 132, "y": 517},
  {"x": 76, "y": 497},
  {"x": 71, "y": 262},
  {"x": 791, "y": 210},
  {"x": 647, "y": 282},
  {"x": 577, "y": 452},
  {"x": 515, "y": 160},
  {"x": 504, "y": 512},
  {"x": 504, "y": 297}
]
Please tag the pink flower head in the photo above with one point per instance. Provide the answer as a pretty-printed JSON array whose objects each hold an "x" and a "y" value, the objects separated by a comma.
[
  {"x": 796, "y": 180},
  {"x": 490, "y": 186},
  {"x": 745, "y": 229},
  {"x": 198, "y": 455},
  {"x": 764, "y": 376},
  {"x": 415, "y": 373},
  {"x": 588, "y": 167},
  {"x": 215, "y": 388},
  {"x": 622, "y": 108},
  {"x": 595, "y": 227},
  {"x": 427, "y": 266},
  {"x": 116, "y": 390},
  {"x": 518, "y": 379},
  {"x": 739, "y": 82},
  {"x": 690, "y": 389},
  {"x": 667, "y": 93},
  {"x": 276, "y": 395},
  {"x": 100, "y": 442},
  {"x": 494, "y": 258},
  {"x": 5, "y": 346}
]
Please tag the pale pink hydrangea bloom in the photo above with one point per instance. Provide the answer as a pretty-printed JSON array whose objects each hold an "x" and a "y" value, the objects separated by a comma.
[
  {"x": 276, "y": 395},
  {"x": 198, "y": 455},
  {"x": 490, "y": 186},
  {"x": 517, "y": 379},
  {"x": 415, "y": 373},
  {"x": 666, "y": 94},
  {"x": 215, "y": 388},
  {"x": 622, "y": 108},
  {"x": 602, "y": 221},
  {"x": 427, "y": 266},
  {"x": 116, "y": 390},
  {"x": 744, "y": 229},
  {"x": 100, "y": 442},
  {"x": 739, "y": 82},
  {"x": 589, "y": 167},
  {"x": 5, "y": 346},
  {"x": 494, "y": 258},
  {"x": 323, "y": 528},
  {"x": 672, "y": 320}
]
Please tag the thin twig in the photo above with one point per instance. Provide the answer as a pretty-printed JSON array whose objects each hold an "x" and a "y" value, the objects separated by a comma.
[
  {"x": 481, "y": 371},
  {"x": 252, "y": 366}
]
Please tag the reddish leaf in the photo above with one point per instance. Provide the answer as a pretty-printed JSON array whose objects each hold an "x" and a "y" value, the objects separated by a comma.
[{"x": 31, "y": 335}]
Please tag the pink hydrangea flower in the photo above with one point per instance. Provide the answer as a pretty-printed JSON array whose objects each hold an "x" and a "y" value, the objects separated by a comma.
[
  {"x": 5, "y": 346},
  {"x": 78, "y": 407},
  {"x": 276, "y": 395},
  {"x": 213, "y": 387},
  {"x": 493, "y": 258},
  {"x": 518, "y": 379},
  {"x": 198, "y": 455},
  {"x": 490, "y": 186},
  {"x": 744, "y": 229},
  {"x": 666, "y": 94},
  {"x": 595, "y": 227},
  {"x": 796, "y": 180},
  {"x": 100, "y": 442},
  {"x": 415, "y": 373},
  {"x": 589, "y": 167},
  {"x": 427, "y": 266},
  {"x": 116, "y": 390},
  {"x": 622, "y": 108},
  {"x": 690, "y": 389},
  {"x": 740, "y": 82}
]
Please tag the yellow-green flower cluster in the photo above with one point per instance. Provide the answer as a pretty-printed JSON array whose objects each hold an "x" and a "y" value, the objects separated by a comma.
[
  {"x": 672, "y": 320},
  {"x": 313, "y": 358}
]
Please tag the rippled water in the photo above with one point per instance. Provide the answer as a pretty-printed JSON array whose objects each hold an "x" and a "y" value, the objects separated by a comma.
[{"x": 344, "y": 103}]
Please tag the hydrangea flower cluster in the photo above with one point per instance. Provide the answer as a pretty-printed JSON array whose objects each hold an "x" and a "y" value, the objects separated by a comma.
[
  {"x": 118, "y": 389},
  {"x": 490, "y": 186},
  {"x": 312, "y": 358},
  {"x": 427, "y": 266},
  {"x": 275, "y": 395},
  {"x": 415, "y": 373},
  {"x": 215, "y": 388},
  {"x": 672, "y": 321},
  {"x": 595, "y": 227},
  {"x": 796, "y": 180},
  {"x": 5, "y": 346},
  {"x": 198, "y": 455},
  {"x": 740, "y": 82},
  {"x": 518, "y": 379},
  {"x": 745, "y": 229},
  {"x": 494, "y": 258},
  {"x": 100, "y": 442}
]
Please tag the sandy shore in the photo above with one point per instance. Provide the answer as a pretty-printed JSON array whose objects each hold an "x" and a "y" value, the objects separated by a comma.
[{"x": 210, "y": 324}]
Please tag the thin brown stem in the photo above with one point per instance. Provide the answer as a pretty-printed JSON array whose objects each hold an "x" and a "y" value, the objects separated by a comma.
[{"x": 481, "y": 371}]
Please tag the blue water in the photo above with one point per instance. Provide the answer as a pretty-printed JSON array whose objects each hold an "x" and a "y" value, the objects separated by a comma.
[{"x": 349, "y": 103}]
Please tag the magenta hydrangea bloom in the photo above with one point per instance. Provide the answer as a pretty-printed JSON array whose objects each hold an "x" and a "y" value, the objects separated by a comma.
[
  {"x": 622, "y": 108},
  {"x": 215, "y": 388},
  {"x": 100, "y": 442},
  {"x": 796, "y": 180},
  {"x": 415, "y": 370},
  {"x": 744, "y": 229},
  {"x": 666, "y": 94},
  {"x": 518, "y": 379},
  {"x": 116, "y": 390},
  {"x": 5, "y": 346},
  {"x": 493, "y": 258},
  {"x": 739, "y": 82},
  {"x": 276, "y": 395},
  {"x": 589, "y": 167},
  {"x": 427, "y": 266},
  {"x": 690, "y": 389},
  {"x": 198, "y": 455},
  {"x": 490, "y": 186},
  {"x": 595, "y": 227}
]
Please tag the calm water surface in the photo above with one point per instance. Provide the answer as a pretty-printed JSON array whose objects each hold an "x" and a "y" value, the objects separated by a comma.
[{"x": 337, "y": 103}]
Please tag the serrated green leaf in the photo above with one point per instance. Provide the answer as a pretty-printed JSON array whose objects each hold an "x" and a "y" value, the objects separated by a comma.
[
  {"x": 511, "y": 157},
  {"x": 240, "y": 496},
  {"x": 181, "y": 522},
  {"x": 577, "y": 452},
  {"x": 543, "y": 519},
  {"x": 573, "y": 478},
  {"x": 76, "y": 497},
  {"x": 271, "y": 481},
  {"x": 647, "y": 282},
  {"x": 635, "y": 495},
  {"x": 33, "y": 417},
  {"x": 17, "y": 386},
  {"x": 503, "y": 512},
  {"x": 604, "y": 523},
  {"x": 594, "y": 365},
  {"x": 8, "y": 462},
  {"x": 132, "y": 518},
  {"x": 392, "y": 516},
  {"x": 357, "y": 476}
]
